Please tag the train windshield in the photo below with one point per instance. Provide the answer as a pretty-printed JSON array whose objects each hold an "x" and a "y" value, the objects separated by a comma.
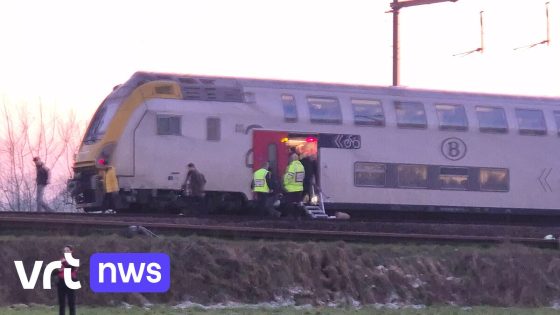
[{"x": 101, "y": 120}]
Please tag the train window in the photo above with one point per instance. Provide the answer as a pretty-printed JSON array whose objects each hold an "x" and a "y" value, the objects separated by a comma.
[
  {"x": 491, "y": 119},
  {"x": 168, "y": 125},
  {"x": 290, "y": 108},
  {"x": 213, "y": 130},
  {"x": 368, "y": 112},
  {"x": 103, "y": 116},
  {"x": 494, "y": 179},
  {"x": 369, "y": 174},
  {"x": 412, "y": 176},
  {"x": 410, "y": 114},
  {"x": 531, "y": 121},
  {"x": 164, "y": 89},
  {"x": 324, "y": 110},
  {"x": 451, "y": 117},
  {"x": 273, "y": 159},
  {"x": 454, "y": 178},
  {"x": 557, "y": 119}
]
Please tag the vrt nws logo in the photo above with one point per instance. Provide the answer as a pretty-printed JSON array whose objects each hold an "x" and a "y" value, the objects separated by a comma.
[{"x": 29, "y": 283}]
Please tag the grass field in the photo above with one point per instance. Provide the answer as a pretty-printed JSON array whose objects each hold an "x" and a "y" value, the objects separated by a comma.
[
  {"x": 40, "y": 310},
  {"x": 213, "y": 271}
]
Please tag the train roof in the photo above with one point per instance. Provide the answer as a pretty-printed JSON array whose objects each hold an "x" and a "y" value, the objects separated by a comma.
[{"x": 192, "y": 80}]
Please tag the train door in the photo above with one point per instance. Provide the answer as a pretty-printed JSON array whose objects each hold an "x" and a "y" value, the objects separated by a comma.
[
  {"x": 269, "y": 146},
  {"x": 276, "y": 147}
]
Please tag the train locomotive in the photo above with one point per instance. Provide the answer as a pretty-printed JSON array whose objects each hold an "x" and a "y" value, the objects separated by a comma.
[{"x": 391, "y": 148}]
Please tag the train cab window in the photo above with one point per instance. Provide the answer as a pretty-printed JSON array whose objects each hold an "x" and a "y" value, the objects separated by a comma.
[
  {"x": 531, "y": 121},
  {"x": 368, "y": 112},
  {"x": 369, "y": 174},
  {"x": 453, "y": 178},
  {"x": 412, "y": 176},
  {"x": 101, "y": 120},
  {"x": 213, "y": 130},
  {"x": 491, "y": 119},
  {"x": 494, "y": 179},
  {"x": 290, "y": 108},
  {"x": 451, "y": 117},
  {"x": 324, "y": 110},
  {"x": 168, "y": 125},
  {"x": 410, "y": 114}
]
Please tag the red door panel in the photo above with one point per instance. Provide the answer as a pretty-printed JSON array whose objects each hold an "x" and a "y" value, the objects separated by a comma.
[{"x": 268, "y": 146}]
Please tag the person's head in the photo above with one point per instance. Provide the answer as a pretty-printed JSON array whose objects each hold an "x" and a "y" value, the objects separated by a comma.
[
  {"x": 37, "y": 161},
  {"x": 67, "y": 249},
  {"x": 265, "y": 165},
  {"x": 191, "y": 167},
  {"x": 294, "y": 157}
]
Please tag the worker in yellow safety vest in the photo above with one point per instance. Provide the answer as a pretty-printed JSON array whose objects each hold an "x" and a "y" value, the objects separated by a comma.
[
  {"x": 263, "y": 188},
  {"x": 293, "y": 184},
  {"x": 112, "y": 188},
  {"x": 261, "y": 177}
]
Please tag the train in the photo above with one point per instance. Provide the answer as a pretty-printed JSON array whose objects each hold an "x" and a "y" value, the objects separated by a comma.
[{"x": 377, "y": 148}]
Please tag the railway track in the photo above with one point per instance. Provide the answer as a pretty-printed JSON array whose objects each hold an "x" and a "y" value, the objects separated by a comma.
[
  {"x": 495, "y": 219},
  {"x": 276, "y": 229}
]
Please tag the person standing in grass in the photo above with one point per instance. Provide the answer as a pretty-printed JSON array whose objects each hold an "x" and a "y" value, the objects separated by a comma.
[{"x": 63, "y": 290}]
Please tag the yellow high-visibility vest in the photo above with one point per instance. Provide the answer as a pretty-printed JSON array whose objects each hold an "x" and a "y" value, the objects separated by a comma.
[
  {"x": 259, "y": 181},
  {"x": 111, "y": 182},
  {"x": 293, "y": 178}
]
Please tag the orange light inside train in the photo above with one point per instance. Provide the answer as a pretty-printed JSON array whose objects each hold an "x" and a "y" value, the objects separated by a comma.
[
  {"x": 310, "y": 139},
  {"x": 284, "y": 140}
]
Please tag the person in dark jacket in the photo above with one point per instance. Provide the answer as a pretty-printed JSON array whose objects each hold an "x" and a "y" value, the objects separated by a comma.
[
  {"x": 309, "y": 163},
  {"x": 63, "y": 290},
  {"x": 193, "y": 187},
  {"x": 194, "y": 182},
  {"x": 42, "y": 182}
]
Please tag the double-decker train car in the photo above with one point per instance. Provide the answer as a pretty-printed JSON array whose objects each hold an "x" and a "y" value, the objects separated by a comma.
[{"x": 386, "y": 148}]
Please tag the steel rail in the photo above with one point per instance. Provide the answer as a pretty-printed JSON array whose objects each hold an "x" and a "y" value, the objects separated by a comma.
[
  {"x": 377, "y": 217},
  {"x": 80, "y": 225}
]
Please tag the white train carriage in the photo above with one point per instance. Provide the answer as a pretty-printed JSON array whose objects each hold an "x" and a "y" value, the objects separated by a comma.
[{"x": 377, "y": 147}]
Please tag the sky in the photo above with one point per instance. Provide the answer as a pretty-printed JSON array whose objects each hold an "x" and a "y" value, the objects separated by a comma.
[{"x": 70, "y": 54}]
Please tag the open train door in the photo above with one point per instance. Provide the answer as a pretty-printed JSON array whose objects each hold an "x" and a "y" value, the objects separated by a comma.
[
  {"x": 275, "y": 147},
  {"x": 269, "y": 146}
]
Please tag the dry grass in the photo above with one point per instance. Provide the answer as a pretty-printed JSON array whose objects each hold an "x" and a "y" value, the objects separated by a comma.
[
  {"x": 41, "y": 310},
  {"x": 210, "y": 271}
]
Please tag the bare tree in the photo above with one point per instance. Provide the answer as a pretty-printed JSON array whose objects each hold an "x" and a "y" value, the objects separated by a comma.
[{"x": 25, "y": 134}]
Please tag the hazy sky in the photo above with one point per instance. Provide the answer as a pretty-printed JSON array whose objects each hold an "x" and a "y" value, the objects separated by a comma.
[{"x": 71, "y": 53}]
